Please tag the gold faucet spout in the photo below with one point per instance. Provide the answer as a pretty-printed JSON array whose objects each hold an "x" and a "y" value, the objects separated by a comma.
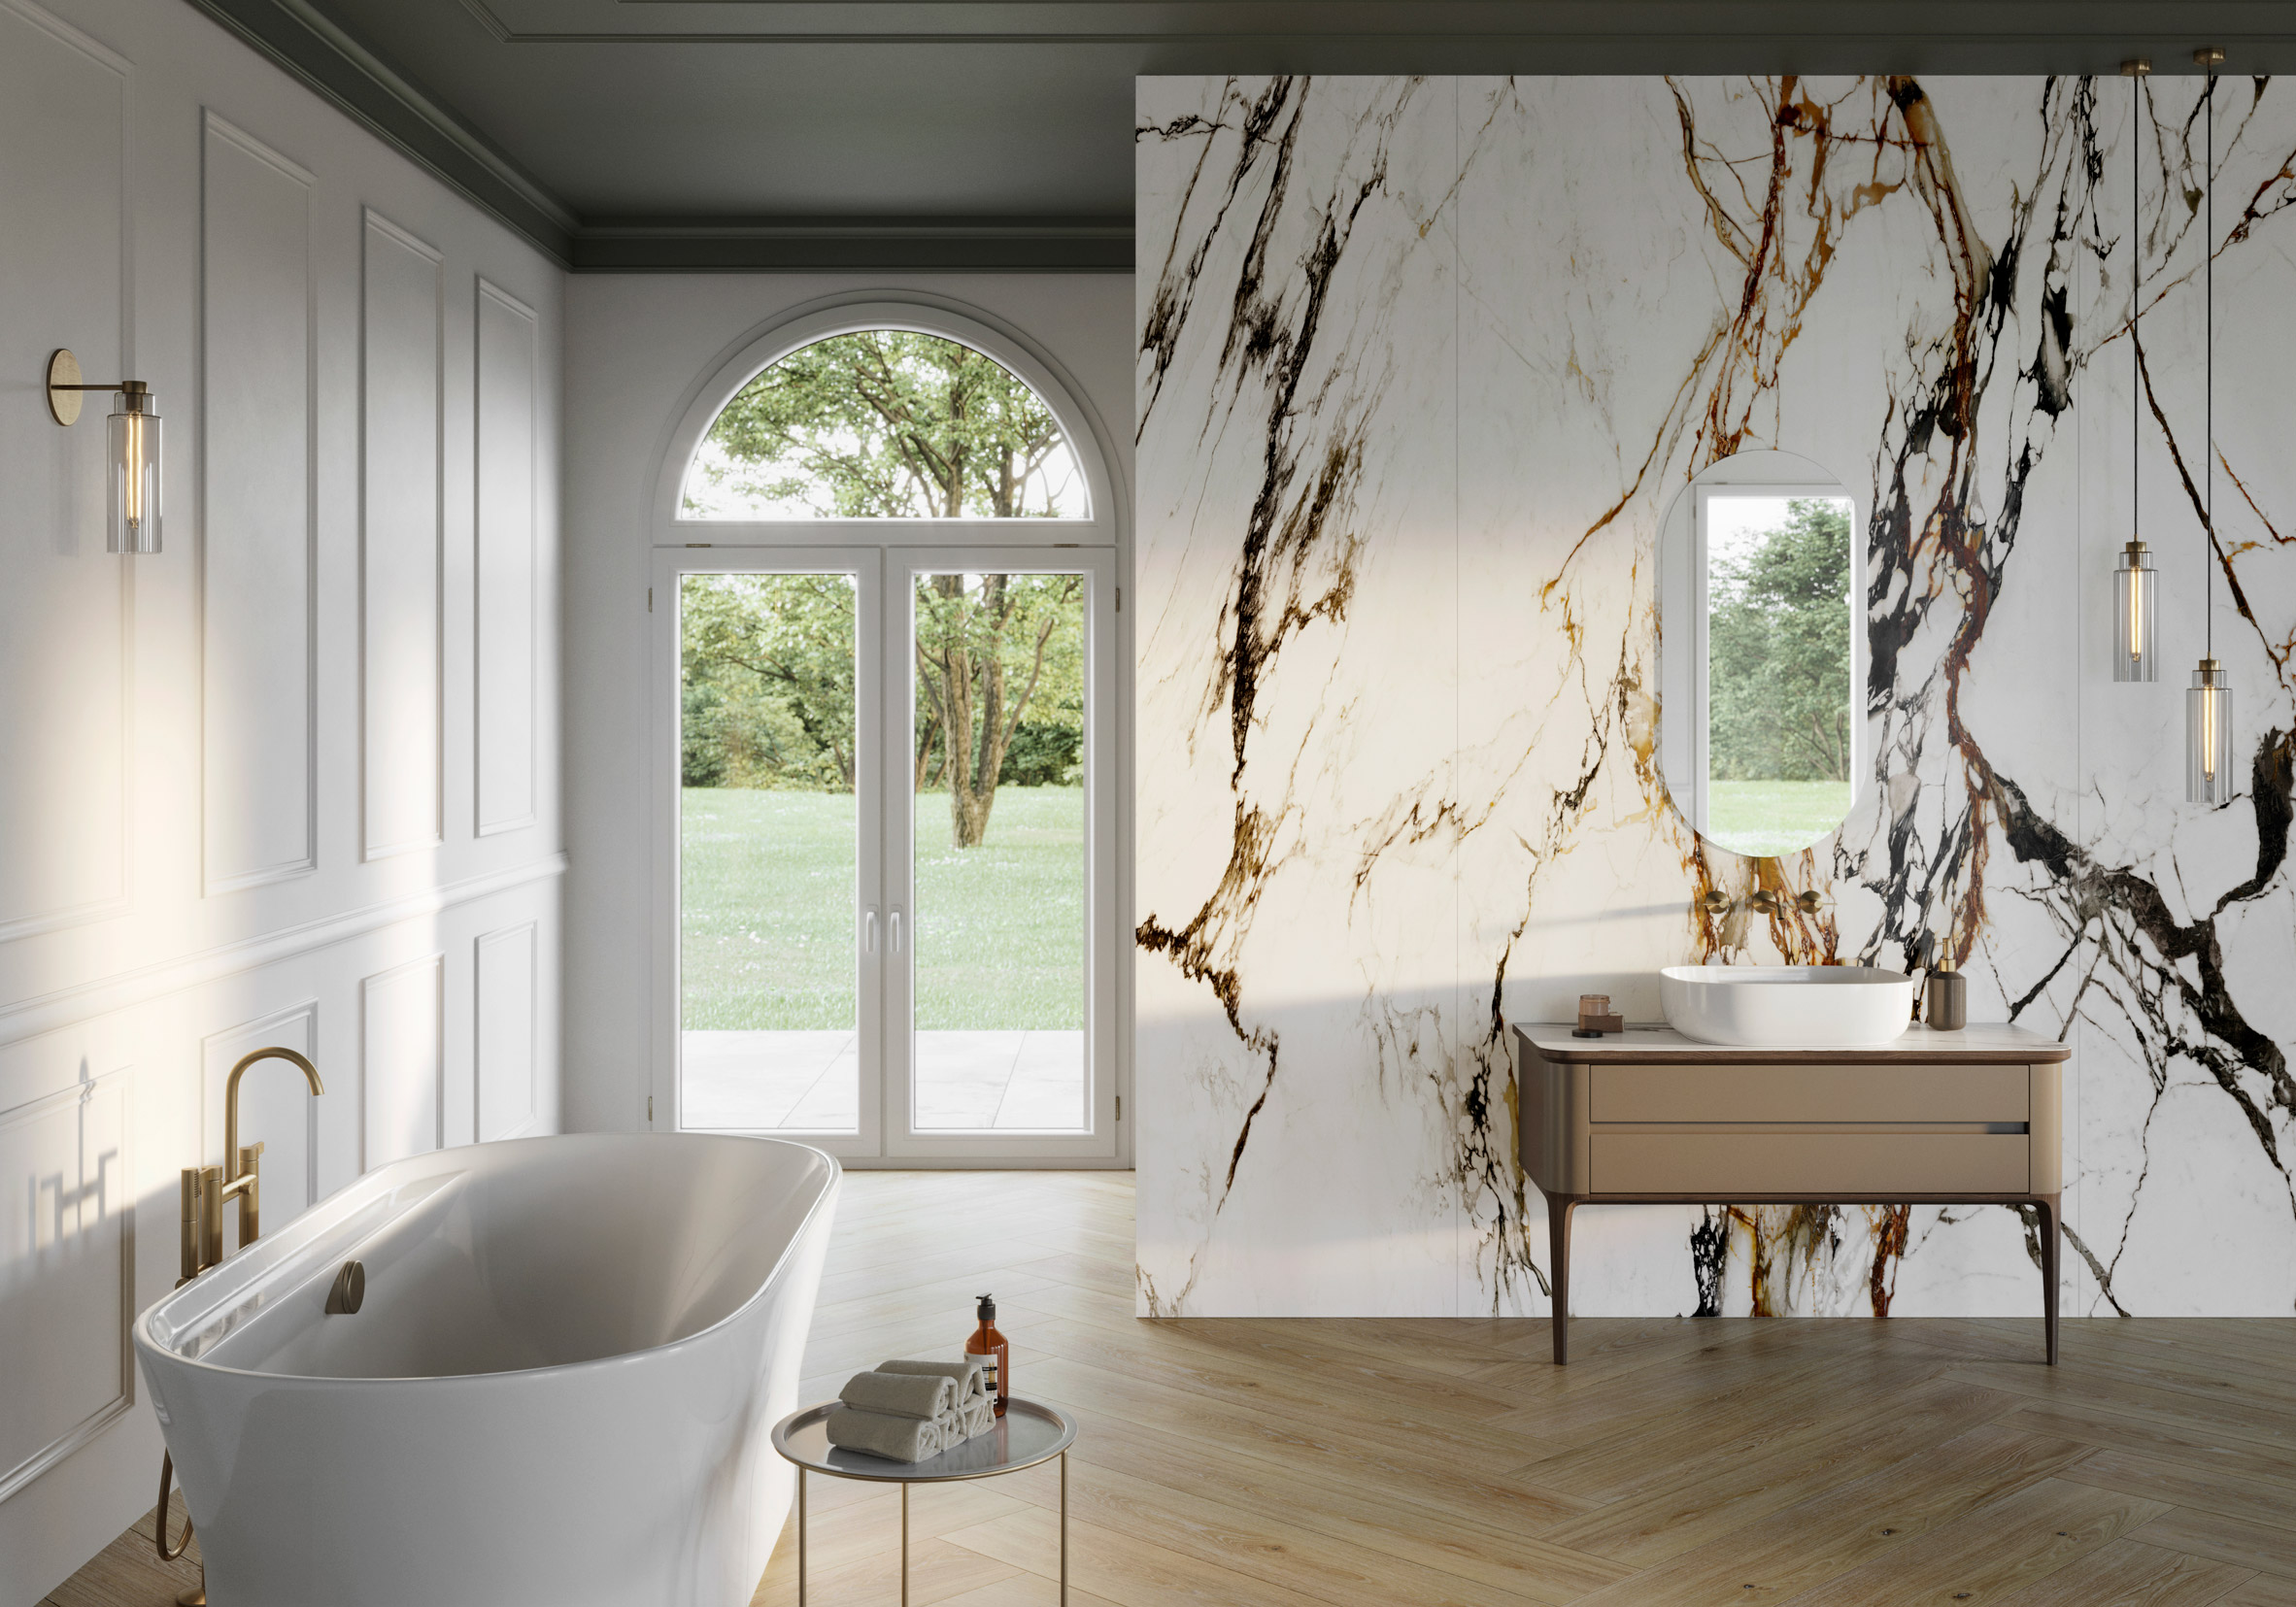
[
  {"x": 243, "y": 1168},
  {"x": 232, "y": 1169}
]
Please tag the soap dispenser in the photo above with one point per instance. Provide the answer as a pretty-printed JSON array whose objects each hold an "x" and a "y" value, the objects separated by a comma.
[
  {"x": 1947, "y": 993},
  {"x": 995, "y": 1354}
]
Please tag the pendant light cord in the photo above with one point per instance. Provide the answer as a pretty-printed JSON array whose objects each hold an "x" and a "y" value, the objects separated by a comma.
[
  {"x": 2209, "y": 413},
  {"x": 2136, "y": 303}
]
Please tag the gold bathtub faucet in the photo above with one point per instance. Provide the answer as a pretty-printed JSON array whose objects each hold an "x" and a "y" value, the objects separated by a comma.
[{"x": 207, "y": 1190}]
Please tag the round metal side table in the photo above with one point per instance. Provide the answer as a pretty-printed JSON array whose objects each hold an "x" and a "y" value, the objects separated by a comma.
[{"x": 1030, "y": 1432}]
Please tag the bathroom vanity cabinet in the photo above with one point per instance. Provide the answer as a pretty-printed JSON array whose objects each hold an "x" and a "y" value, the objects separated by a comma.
[{"x": 1647, "y": 1116}]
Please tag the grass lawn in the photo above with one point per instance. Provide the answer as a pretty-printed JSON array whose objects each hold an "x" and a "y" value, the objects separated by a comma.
[
  {"x": 771, "y": 938},
  {"x": 1763, "y": 819}
]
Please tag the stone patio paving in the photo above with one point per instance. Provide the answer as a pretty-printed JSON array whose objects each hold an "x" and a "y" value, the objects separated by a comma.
[{"x": 809, "y": 1081}]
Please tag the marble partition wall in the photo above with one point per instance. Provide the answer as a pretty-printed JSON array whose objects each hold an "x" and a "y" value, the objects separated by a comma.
[{"x": 1422, "y": 365}]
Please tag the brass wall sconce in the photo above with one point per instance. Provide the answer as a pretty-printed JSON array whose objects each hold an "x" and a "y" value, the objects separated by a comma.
[{"x": 134, "y": 523}]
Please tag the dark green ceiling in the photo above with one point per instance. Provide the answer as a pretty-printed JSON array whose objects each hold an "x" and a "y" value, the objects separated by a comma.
[{"x": 711, "y": 135}]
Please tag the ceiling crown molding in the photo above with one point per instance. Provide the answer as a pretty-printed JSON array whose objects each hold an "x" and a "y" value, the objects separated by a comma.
[
  {"x": 854, "y": 245},
  {"x": 360, "y": 84},
  {"x": 405, "y": 116}
]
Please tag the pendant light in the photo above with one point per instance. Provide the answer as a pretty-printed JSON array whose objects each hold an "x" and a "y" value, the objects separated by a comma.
[
  {"x": 2136, "y": 602},
  {"x": 2207, "y": 704}
]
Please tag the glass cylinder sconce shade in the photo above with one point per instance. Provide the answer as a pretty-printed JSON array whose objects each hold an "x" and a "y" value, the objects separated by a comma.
[
  {"x": 2208, "y": 736},
  {"x": 135, "y": 475},
  {"x": 2134, "y": 599}
]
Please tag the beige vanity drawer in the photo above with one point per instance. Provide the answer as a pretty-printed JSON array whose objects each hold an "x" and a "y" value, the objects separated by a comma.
[
  {"x": 1810, "y": 1093},
  {"x": 1758, "y": 1165}
]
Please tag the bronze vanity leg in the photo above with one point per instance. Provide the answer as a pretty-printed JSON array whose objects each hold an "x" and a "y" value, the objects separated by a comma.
[
  {"x": 1558, "y": 1235},
  {"x": 2051, "y": 1232}
]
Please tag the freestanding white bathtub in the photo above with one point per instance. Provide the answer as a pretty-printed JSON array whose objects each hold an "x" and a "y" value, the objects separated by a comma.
[{"x": 557, "y": 1390}]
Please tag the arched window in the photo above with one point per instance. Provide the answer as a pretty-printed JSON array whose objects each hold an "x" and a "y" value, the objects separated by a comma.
[
  {"x": 885, "y": 598},
  {"x": 885, "y": 423}
]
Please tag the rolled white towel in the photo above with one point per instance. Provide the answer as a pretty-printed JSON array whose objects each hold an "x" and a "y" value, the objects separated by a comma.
[
  {"x": 965, "y": 1375},
  {"x": 901, "y": 1394},
  {"x": 974, "y": 1419},
  {"x": 897, "y": 1439}
]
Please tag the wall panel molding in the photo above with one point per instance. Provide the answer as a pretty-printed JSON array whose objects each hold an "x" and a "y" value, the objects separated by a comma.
[
  {"x": 66, "y": 615},
  {"x": 503, "y": 619},
  {"x": 83, "y": 1001},
  {"x": 258, "y": 514},
  {"x": 402, "y": 1061},
  {"x": 402, "y": 547},
  {"x": 507, "y": 994},
  {"x": 64, "y": 1314}
]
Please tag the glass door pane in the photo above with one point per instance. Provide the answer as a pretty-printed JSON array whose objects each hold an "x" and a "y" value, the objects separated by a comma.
[
  {"x": 999, "y": 852},
  {"x": 771, "y": 842}
]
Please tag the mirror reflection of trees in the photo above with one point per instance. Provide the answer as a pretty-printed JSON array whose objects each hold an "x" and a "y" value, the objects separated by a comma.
[{"x": 1779, "y": 651}]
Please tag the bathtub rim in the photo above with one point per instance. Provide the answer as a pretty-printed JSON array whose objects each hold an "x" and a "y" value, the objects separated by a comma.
[{"x": 826, "y": 1199}]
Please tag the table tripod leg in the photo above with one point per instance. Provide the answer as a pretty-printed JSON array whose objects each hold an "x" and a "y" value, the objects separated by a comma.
[
  {"x": 904, "y": 1546},
  {"x": 800, "y": 1537},
  {"x": 1063, "y": 1528}
]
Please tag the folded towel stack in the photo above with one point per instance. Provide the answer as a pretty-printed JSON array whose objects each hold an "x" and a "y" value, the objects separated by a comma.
[
  {"x": 976, "y": 1408},
  {"x": 909, "y": 1411}
]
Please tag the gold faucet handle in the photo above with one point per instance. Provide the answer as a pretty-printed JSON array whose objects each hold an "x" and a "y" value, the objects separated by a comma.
[
  {"x": 1810, "y": 901},
  {"x": 1767, "y": 901},
  {"x": 1717, "y": 902}
]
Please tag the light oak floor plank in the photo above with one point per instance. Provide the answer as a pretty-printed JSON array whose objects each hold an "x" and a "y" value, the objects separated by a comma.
[
  {"x": 1446, "y": 1462},
  {"x": 2266, "y": 1548},
  {"x": 2126, "y": 1574},
  {"x": 1992, "y": 1552}
]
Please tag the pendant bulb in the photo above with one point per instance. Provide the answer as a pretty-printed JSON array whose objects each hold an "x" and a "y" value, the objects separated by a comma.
[
  {"x": 2136, "y": 611},
  {"x": 2208, "y": 736}
]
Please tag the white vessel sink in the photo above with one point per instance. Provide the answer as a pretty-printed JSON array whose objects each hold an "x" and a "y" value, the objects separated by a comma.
[{"x": 1787, "y": 1005}]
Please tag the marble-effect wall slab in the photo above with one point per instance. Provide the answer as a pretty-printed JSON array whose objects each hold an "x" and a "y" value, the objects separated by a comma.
[{"x": 1422, "y": 365}]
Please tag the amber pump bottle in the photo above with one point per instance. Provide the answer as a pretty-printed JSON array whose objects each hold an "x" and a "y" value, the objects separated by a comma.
[{"x": 995, "y": 1356}]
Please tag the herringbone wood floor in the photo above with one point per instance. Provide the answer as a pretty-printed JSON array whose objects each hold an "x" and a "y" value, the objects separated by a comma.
[{"x": 1671, "y": 1464}]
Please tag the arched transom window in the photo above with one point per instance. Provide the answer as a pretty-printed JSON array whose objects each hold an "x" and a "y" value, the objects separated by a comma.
[{"x": 885, "y": 423}]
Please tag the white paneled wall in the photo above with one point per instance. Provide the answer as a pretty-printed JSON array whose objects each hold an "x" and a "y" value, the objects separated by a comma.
[
  {"x": 507, "y": 994},
  {"x": 400, "y": 446},
  {"x": 294, "y": 780},
  {"x": 256, "y": 522},
  {"x": 402, "y": 1060},
  {"x": 63, "y": 611},
  {"x": 507, "y": 332}
]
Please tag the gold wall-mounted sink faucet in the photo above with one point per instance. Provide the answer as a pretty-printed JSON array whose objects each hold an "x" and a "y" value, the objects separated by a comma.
[{"x": 207, "y": 1190}]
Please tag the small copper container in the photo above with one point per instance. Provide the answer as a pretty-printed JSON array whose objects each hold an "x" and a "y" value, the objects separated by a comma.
[{"x": 1594, "y": 1018}]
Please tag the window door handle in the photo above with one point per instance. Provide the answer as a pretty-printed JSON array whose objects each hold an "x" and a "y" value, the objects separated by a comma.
[
  {"x": 869, "y": 932},
  {"x": 896, "y": 931}
]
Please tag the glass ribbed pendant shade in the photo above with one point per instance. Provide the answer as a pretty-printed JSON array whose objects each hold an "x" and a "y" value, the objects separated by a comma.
[
  {"x": 2136, "y": 607},
  {"x": 2208, "y": 736},
  {"x": 135, "y": 476}
]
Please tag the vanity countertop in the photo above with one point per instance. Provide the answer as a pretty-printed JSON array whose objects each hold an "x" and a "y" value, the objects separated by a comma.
[{"x": 1996, "y": 1043}]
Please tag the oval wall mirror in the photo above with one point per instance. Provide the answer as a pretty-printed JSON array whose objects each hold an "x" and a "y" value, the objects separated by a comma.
[{"x": 1761, "y": 657}]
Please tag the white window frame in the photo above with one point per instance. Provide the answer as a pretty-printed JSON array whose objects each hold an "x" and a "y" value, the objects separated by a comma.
[{"x": 1099, "y": 546}]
